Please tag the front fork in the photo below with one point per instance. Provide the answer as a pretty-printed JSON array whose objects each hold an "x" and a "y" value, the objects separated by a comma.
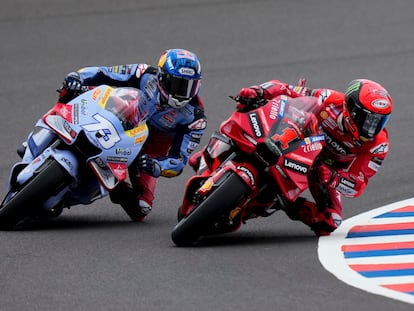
[{"x": 38, "y": 140}]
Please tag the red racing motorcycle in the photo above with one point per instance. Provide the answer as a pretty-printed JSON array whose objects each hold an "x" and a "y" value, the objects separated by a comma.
[{"x": 257, "y": 163}]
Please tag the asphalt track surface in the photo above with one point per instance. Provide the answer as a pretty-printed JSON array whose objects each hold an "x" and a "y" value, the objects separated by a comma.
[{"x": 92, "y": 257}]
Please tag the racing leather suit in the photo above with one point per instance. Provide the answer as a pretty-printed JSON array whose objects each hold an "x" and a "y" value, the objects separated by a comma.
[
  {"x": 344, "y": 165},
  {"x": 173, "y": 133}
]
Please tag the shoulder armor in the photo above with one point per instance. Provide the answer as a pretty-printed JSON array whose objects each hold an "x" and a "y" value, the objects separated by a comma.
[
  {"x": 151, "y": 70},
  {"x": 144, "y": 68}
]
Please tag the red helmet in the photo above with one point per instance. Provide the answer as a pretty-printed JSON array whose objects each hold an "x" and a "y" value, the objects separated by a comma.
[{"x": 367, "y": 108}]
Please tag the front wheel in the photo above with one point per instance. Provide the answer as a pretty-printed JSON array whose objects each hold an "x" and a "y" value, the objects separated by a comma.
[
  {"x": 22, "y": 203},
  {"x": 221, "y": 200}
]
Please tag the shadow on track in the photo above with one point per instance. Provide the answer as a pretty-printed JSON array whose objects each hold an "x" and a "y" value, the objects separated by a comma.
[
  {"x": 269, "y": 237},
  {"x": 77, "y": 222}
]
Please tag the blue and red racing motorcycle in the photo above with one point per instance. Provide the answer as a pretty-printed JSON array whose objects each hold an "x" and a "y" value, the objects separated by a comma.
[{"x": 76, "y": 154}]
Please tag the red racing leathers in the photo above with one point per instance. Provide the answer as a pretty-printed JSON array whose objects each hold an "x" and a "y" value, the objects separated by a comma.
[{"x": 343, "y": 167}]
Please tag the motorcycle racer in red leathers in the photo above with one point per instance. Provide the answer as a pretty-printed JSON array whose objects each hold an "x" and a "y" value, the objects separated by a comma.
[
  {"x": 356, "y": 145},
  {"x": 176, "y": 122}
]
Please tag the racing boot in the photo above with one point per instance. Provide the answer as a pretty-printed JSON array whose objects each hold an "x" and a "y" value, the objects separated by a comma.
[
  {"x": 124, "y": 195},
  {"x": 321, "y": 223},
  {"x": 299, "y": 211}
]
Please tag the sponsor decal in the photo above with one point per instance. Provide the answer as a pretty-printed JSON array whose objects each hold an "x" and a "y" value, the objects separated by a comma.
[
  {"x": 313, "y": 143},
  {"x": 114, "y": 69},
  {"x": 129, "y": 69},
  {"x": 255, "y": 124},
  {"x": 382, "y": 92},
  {"x": 119, "y": 170},
  {"x": 65, "y": 111},
  {"x": 139, "y": 140},
  {"x": 136, "y": 130},
  {"x": 248, "y": 173},
  {"x": 67, "y": 162},
  {"x": 169, "y": 173},
  {"x": 186, "y": 71},
  {"x": 116, "y": 159},
  {"x": 333, "y": 108},
  {"x": 274, "y": 110},
  {"x": 312, "y": 147},
  {"x": 283, "y": 100},
  {"x": 314, "y": 139},
  {"x": 346, "y": 187},
  {"x": 353, "y": 88},
  {"x": 374, "y": 166},
  {"x": 381, "y": 148},
  {"x": 329, "y": 123},
  {"x": 375, "y": 163},
  {"x": 100, "y": 162},
  {"x": 350, "y": 124},
  {"x": 206, "y": 186},
  {"x": 335, "y": 145},
  {"x": 199, "y": 124},
  {"x": 151, "y": 89},
  {"x": 84, "y": 107},
  {"x": 192, "y": 145},
  {"x": 166, "y": 120},
  {"x": 267, "y": 85},
  {"x": 250, "y": 139},
  {"x": 170, "y": 63},
  {"x": 105, "y": 96},
  {"x": 196, "y": 136},
  {"x": 76, "y": 113},
  {"x": 347, "y": 182},
  {"x": 296, "y": 166},
  {"x": 96, "y": 93},
  {"x": 123, "y": 151},
  {"x": 69, "y": 130},
  {"x": 380, "y": 103},
  {"x": 323, "y": 96},
  {"x": 377, "y": 160}
]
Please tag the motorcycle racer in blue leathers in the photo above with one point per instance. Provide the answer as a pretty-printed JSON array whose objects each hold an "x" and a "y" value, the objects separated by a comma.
[{"x": 176, "y": 122}]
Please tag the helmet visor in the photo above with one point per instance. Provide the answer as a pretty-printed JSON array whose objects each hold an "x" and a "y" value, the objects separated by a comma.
[
  {"x": 180, "y": 88},
  {"x": 368, "y": 123}
]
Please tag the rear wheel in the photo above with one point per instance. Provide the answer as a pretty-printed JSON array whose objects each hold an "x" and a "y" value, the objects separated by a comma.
[
  {"x": 221, "y": 200},
  {"x": 22, "y": 203}
]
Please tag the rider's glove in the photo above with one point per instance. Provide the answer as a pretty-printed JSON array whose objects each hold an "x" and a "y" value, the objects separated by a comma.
[
  {"x": 72, "y": 82},
  {"x": 302, "y": 90},
  {"x": 250, "y": 98},
  {"x": 71, "y": 87},
  {"x": 149, "y": 165}
]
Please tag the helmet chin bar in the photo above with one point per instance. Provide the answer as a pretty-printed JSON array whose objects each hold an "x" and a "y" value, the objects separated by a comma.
[
  {"x": 171, "y": 101},
  {"x": 175, "y": 103}
]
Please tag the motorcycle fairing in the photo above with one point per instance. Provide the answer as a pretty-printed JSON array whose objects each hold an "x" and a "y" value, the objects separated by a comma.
[
  {"x": 103, "y": 129},
  {"x": 104, "y": 173},
  {"x": 292, "y": 169},
  {"x": 64, "y": 157}
]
